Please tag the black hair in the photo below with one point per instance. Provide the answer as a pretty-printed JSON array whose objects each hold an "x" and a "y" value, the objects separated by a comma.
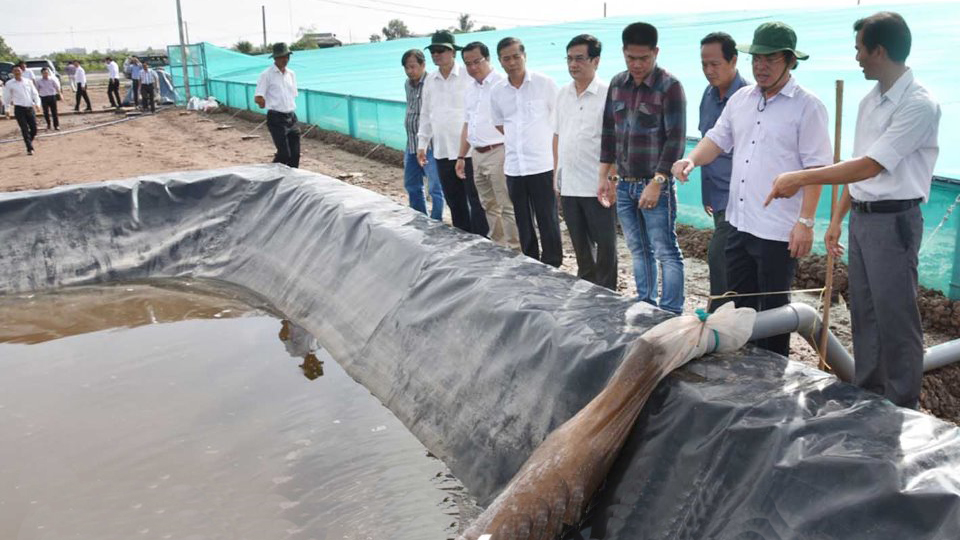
[
  {"x": 21, "y": 63},
  {"x": 790, "y": 59},
  {"x": 889, "y": 30},
  {"x": 640, "y": 33},
  {"x": 416, "y": 53},
  {"x": 508, "y": 41},
  {"x": 44, "y": 68},
  {"x": 727, "y": 44},
  {"x": 476, "y": 45},
  {"x": 593, "y": 44}
]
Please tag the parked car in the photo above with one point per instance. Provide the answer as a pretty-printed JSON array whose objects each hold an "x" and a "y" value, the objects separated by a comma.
[
  {"x": 36, "y": 66},
  {"x": 6, "y": 69}
]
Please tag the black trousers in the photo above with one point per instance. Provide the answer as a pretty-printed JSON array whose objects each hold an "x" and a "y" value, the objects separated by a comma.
[
  {"x": 49, "y": 104},
  {"x": 27, "y": 120},
  {"x": 593, "y": 229},
  {"x": 717, "y": 258},
  {"x": 146, "y": 91},
  {"x": 533, "y": 196},
  {"x": 136, "y": 93},
  {"x": 286, "y": 137},
  {"x": 461, "y": 195},
  {"x": 82, "y": 93},
  {"x": 113, "y": 92},
  {"x": 758, "y": 265}
]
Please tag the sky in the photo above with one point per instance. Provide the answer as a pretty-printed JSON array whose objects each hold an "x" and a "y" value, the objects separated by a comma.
[{"x": 44, "y": 26}]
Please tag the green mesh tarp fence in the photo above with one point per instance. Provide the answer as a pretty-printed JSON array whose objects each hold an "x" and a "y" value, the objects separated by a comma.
[{"x": 358, "y": 89}]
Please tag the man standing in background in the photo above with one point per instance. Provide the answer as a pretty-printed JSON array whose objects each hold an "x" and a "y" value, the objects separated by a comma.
[
  {"x": 481, "y": 147},
  {"x": 80, "y": 77},
  {"x": 414, "y": 65},
  {"x": 113, "y": 86},
  {"x": 277, "y": 92},
  {"x": 718, "y": 57},
  {"x": 578, "y": 122},
  {"x": 49, "y": 89},
  {"x": 441, "y": 121},
  {"x": 148, "y": 83},
  {"x": 134, "y": 67}
]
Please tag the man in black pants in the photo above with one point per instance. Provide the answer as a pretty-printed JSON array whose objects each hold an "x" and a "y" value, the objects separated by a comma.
[
  {"x": 80, "y": 77},
  {"x": 21, "y": 95},
  {"x": 113, "y": 87},
  {"x": 49, "y": 89},
  {"x": 148, "y": 81},
  {"x": 277, "y": 92}
]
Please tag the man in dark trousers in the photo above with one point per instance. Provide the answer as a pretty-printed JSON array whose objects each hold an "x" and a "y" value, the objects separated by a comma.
[
  {"x": 113, "y": 86},
  {"x": 148, "y": 83},
  {"x": 895, "y": 149},
  {"x": 80, "y": 78},
  {"x": 49, "y": 89},
  {"x": 277, "y": 92},
  {"x": 20, "y": 96}
]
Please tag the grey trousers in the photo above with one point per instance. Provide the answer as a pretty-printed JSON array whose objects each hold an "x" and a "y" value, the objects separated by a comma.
[
  {"x": 887, "y": 336},
  {"x": 717, "y": 259}
]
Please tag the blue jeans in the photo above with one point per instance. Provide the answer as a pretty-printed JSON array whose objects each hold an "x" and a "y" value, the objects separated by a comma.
[
  {"x": 413, "y": 175},
  {"x": 651, "y": 235}
]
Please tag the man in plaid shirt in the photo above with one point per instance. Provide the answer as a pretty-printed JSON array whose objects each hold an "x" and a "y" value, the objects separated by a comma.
[{"x": 644, "y": 132}]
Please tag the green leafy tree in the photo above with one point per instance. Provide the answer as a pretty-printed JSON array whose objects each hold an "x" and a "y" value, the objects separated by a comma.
[
  {"x": 464, "y": 24},
  {"x": 486, "y": 28},
  {"x": 396, "y": 29},
  {"x": 375, "y": 38},
  {"x": 243, "y": 46},
  {"x": 6, "y": 53}
]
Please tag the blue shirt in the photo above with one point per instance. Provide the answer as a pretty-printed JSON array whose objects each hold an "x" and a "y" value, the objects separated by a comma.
[{"x": 715, "y": 177}]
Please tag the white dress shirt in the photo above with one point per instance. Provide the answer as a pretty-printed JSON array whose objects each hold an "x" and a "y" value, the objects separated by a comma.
[
  {"x": 480, "y": 128},
  {"x": 148, "y": 76},
  {"x": 442, "y": 112},
  {"x": 113, "y": 70},
  {"x": 279, "y": 90},
  {"x": 578, "y": 121},
  {"x": 27, "y": 74},
  {"x": 526, "y": 114},
  {"x": 22, "y": 93},
  {"x": 80, "y": 75},
  {"x": 898, "y": 130},
  {"x": 788, "y": 134}
]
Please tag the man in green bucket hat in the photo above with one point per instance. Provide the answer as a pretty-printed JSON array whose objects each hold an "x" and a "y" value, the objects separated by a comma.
[
  {"x": 772, "y": 127},
  {"x": 442, "y": 113},
  {"x": 277, "y": 92}
]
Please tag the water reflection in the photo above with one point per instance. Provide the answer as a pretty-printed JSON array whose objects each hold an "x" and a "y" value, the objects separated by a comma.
[{"x": 300, "y": 343}]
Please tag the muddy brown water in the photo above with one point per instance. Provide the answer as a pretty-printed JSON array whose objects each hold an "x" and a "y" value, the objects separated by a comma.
[{"x": 137, "y": 411}]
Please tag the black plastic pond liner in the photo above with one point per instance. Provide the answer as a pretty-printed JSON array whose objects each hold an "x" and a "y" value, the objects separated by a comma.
[{"x": 481, "y": 352}]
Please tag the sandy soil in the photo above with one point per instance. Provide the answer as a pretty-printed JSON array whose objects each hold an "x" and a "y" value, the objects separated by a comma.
[{"x": 175, "y": 139}]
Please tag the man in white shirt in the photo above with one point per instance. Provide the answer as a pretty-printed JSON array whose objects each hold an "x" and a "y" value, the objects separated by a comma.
[
  {"x": 49, "y": 89},
  {"x": 277, "y": 92},
  {"x": 80, "y": 77},
  {"x": 895, "y": 149},
  {"x": 148, "y": 83},
  {"x": 522, "y": 109},
  {"x": 578, "y": 121},
  {"x": 113, "y": 85},
  {"x": 772, "y": 127},
  {"x": 26, "y": 73},
  {"x": 481, "y": 147},
  {"x": 20, "y": 97},
  {"x": 441, "y": 121}
]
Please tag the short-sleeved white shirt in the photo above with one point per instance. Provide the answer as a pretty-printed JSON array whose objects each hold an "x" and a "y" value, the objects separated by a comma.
[
  {"x": 442, "y": 112},
  {"x": 578, "y": 121},
  {"x": 526, "y": 114},
  {"x": 480, "y": 128},
  {"x": 788, "y": 133},
  {"x": 898, "y": 130}
]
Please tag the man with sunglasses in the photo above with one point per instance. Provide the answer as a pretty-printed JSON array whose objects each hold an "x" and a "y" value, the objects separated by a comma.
[{"x": 773, "y": 126}]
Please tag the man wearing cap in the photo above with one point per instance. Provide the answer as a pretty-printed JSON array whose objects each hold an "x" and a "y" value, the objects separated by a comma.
[
  {"x": 772, "y": 127},
  {"x": 895, "y": 149},
  {"x": 414, "y": 65},
  {"x": 481, "y": 147},
  {"x": 441, "y": 121},
  {"x": 277, "y": 92},
  {"x": 718, "y": 58},
  {"x": 521, "y": 107},
  {"x": 644, "y": 133}
]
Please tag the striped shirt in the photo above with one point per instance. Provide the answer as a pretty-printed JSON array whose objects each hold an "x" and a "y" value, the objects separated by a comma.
[
  {"x": 644, "y": 126},
  {"x": 412, "y": 121}
]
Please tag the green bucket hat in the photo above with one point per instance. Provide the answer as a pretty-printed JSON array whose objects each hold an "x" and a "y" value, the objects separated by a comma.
[
  {"x": 443, "y": 38},
  {"x": 773, "y": 37},
  {"x": 280, "y": 49}
]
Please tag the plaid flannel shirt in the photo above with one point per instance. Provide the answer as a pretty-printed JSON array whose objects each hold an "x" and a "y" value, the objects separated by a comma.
[{"x": 644, "y": 126}]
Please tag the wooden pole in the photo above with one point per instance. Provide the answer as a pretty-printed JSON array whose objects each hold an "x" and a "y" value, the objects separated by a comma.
[
  {"x": 828, "y": 282},
  {"x": 183, "y": 55}
]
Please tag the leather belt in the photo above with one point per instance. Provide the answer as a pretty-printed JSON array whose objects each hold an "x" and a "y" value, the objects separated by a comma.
[
  {"x": 485, "y": 149},
  {"x": 884, "y": 207}
]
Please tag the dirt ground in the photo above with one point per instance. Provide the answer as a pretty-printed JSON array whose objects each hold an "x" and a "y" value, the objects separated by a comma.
[{"x": 175, "y": 139}]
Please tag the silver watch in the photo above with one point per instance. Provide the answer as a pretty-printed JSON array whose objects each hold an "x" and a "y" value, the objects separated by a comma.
[{"x": 808, "y": 222}]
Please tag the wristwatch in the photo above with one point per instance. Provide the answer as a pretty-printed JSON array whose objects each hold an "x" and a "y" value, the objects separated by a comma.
[
  {"x": 659, "y": 178},
  {"x": 612, "y": 178},
  {"x": 808, "y": 222}
]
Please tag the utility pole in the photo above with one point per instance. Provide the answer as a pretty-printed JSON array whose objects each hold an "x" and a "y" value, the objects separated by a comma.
[
  {"x": 604, "y": 10},
  {"x": 263, "y": 10},
  {"x": 183, "y": 55},
  {"x": 186, "y": 30}
]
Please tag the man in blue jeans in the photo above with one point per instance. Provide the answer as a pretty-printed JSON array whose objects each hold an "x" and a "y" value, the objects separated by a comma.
[
  {"x": 644, "y": 132},
  {"x": 414, "y": 65}
]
